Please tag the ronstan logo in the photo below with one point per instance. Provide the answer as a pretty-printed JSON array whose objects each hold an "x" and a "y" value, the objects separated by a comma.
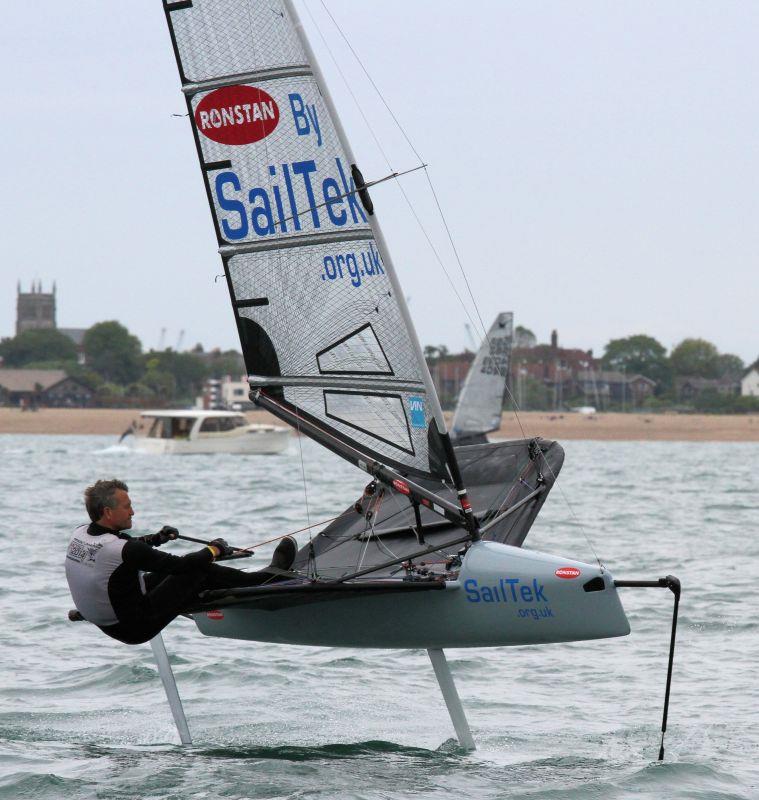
[
  {"x": 567, "y": 572},
  {"x": 216, "y": 614},
  {"x": 237, "y": 115}
]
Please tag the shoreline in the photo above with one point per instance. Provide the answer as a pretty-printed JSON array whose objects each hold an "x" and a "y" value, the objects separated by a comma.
[{"x": 549, "y": 425}]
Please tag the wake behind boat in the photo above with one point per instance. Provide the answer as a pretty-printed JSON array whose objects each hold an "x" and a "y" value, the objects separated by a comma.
[{"x": 196, "y": 431}]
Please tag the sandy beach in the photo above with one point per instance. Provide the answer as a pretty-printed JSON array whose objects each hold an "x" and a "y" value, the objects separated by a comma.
[{"x": 608, "y": 427}]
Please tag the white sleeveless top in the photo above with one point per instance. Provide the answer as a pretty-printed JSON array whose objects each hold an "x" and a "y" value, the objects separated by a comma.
[{"x": 90, "y": 562}]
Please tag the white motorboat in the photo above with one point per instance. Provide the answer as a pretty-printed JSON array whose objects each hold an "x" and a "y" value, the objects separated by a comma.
[{"x": 192, "y": 431}]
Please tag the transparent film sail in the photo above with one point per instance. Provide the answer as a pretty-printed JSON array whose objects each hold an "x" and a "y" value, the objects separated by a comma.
[{"x": 324, "y": 330}]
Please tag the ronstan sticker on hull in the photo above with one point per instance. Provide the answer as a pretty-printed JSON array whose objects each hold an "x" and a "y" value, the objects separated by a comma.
[{"x": 567, "y": 573}]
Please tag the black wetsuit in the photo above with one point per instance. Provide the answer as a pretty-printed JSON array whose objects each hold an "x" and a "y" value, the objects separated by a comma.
[{"x": 103, "y": 566}]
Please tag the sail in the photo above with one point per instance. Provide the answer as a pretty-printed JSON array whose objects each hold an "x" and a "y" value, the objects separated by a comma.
[
  {"x": 478, "y": 410},
  {"x": 323, "y": 326}
]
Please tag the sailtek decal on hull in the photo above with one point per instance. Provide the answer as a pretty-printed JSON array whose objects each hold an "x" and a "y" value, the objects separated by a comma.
[{"x": 504, "y": 596}]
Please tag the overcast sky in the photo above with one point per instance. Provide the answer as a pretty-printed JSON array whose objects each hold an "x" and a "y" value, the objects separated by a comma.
[{"x": 597, "y": 163}]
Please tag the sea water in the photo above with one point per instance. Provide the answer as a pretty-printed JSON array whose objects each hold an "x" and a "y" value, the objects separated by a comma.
[{"x": 82, "y": 716}]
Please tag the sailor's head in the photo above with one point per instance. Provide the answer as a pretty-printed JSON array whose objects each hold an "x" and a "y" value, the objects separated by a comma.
[{"x": 109, "y": 505}]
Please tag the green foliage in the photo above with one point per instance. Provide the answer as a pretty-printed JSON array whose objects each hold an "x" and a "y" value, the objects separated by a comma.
[
  {"x": 639, "y": 354},
  {"x": 138, "y": 391},
  {"x": 229, "y": 362},
  {"x": 524, "y": 337},
  {"x": 47, "y": 346},
  {"x": 106, "y": 391},
  {"x": 433, "y": 353},
  {"x": 49, "y": 364},
  {"x": 532, "y": 395},
  {"x": 162, "y": 384},
  {"x": 113, "y": 352},
  {"x": 712, "y": 402},
  {"x": 730, "y": 366},
  {"x": 85, "y": 376},
  {"x": 174, "y": 374},
  {"x": 695, "y": 357}
]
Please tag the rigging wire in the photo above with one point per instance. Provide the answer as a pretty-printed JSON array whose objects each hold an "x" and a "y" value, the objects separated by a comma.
[
  {"x": 418, "y": 156},
  {"x": 362, "y": 550},
  {"x": 348, "y": 87},
  {"x": 336, "y": 198},
  {"x": 449, "y": 235},
  {"x": 375, "y": 516},
  {"x": 371, "y": 80},
  {"x": 384, "y": 154},
  {"x": 373, "y": 535},
  {"x": 292, "y": 533}
]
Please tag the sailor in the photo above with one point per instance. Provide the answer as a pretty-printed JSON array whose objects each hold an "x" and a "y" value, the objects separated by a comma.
[{"x": 103, "y": 566}]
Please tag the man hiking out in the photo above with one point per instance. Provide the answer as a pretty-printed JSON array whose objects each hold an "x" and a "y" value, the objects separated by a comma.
[{"x": 103, "y": 565}]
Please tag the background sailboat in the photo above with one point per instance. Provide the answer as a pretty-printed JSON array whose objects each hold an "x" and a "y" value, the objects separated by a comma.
[{"x": 480, "y": 404}]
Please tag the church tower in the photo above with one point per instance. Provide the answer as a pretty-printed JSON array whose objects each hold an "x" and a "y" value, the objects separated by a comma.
[{"x": 35, "y": 309}]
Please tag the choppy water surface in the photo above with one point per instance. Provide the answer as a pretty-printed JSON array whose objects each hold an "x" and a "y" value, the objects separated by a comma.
[{"x": 84, "y": 717}]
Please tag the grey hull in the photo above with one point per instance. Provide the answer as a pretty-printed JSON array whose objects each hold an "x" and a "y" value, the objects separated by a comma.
[{"x": 504, "y": 595}]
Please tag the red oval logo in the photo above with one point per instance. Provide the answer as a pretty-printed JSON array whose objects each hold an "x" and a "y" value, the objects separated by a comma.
[
  {"x": 401, "y": 487},
  {"x": 237, "y": 115},
  {"x": 567, "y": 572},
  {"x": 215, "y": 614}
]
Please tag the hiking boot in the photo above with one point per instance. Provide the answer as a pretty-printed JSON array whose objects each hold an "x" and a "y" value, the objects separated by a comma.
[{"x": 284, "y": 554}]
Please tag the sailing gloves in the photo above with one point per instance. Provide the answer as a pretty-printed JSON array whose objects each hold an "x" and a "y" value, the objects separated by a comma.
[
  {"x": 220, "y": 548},
  {"x": 166, "y": 534}
]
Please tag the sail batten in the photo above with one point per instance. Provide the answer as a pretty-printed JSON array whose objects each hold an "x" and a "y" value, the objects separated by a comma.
[
  {"x": 370, "y": 461},
  {"x": 249, "y": 77},
  {"x": 300, "y": 241},
  {"x": 328, "y": 381}
]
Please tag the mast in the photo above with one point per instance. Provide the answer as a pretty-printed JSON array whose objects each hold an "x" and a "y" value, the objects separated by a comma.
[{"x": 400, "y": 299}]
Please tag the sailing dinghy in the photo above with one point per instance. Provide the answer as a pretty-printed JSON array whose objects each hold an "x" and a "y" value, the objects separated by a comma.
[
  {"x": 430, "y": 556},
  {"x": 480, "y": 404}
]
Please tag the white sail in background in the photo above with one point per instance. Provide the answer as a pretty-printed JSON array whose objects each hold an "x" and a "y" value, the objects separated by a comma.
[
  {"x": 324, "y": 330},
  {"x": 478, "y": 410}
]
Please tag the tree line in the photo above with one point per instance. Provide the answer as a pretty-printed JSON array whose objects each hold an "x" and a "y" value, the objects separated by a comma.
[
  {"x": 639, "y": 354},
  {"x": 693, "y": 358},
  {"x": 116, "y": 368}
]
